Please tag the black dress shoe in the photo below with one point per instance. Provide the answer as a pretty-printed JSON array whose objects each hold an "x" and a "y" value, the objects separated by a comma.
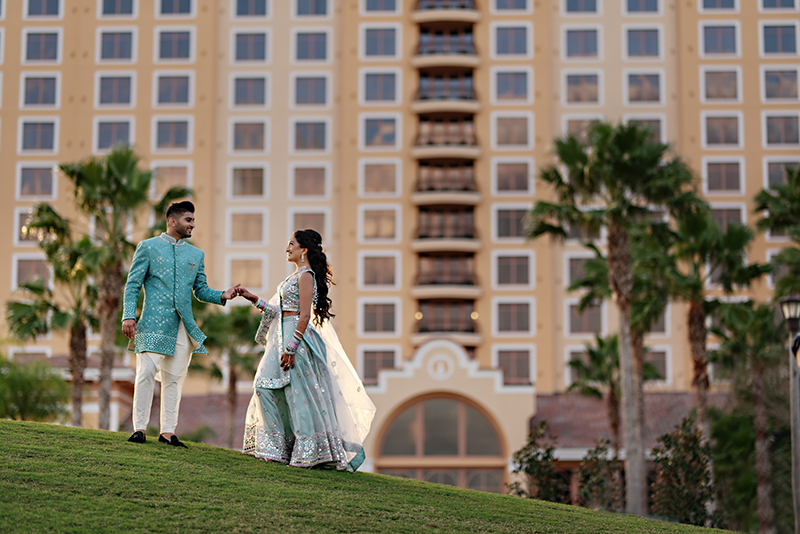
[
  {"x": 137, "y": 437},
  {"x": 174, "y": 441}
]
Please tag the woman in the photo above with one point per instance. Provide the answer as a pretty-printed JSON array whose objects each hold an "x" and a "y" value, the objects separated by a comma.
[{"x": 309, "y": 407}]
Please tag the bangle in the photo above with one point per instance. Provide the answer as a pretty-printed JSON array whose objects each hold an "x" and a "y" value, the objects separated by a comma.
[
  {"x": 297, "y": 336},
  {"x": 289, "y": 350},
  {"x": 292, "y": 346}
]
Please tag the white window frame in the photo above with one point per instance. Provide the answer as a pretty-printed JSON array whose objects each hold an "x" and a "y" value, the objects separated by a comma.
[
  {"x": 362, "y": 131},
  {"x": 496, "y": 207},
  {"x": 232, "y": 166},
  {"x": 36, "y": 74},
  {"x": 159, "y": 16},
  {"x": 771, "y": 253},
  {"x": 657, "y": 13},
  {"x": 26, "y": 16},
  {"x": 649, "y": 116},
  {"x": 784, "y": 22},
  {"x": 398, "y": 178},
  {"x": 159, "y": 163},
  {"x": 701, "y": 25},
  {"x": 293, "y": 15},
  {"x": 234, "y": 32},
  {"x": 22, "y": 120},
  {"x": 568, "y": 350},
  {"x": 398, "y": 221},
  {"x": 157, "y": 74},
  {"x": 362, "y": 40},
  {"x": 494, "y": 26},
  {"x": 325, "y": 119},
  {"x": 494, "y": 71},
  {"x": 601, "y": 239},
  {"x": 398, "y": 264},
  {"x": 530, "y": 301},
  {"x": 192, "y": 30},
  {"x": 774, "y": 159},
  {"x": 2, "y": 41},
  {"x": 527, "y": 11},
  {"x": 361, "y": 349},
  {"x": 2, "y": 10},
  {"x": 155, "y": 119},
  {"x": 17, "y": 228},
  {"x": 96, "y": 120},
  {"x": 93, "y": 226},
  {"x": 239, "y": 210},
  {"x": 266, "y": 17},
  {"x": 233, "y": 76},
  {"x": 362, "y": 10},
  {"x": 293, "y": 60},
  {"x": 16, "y": 257},
  {"x": 762, "y": 9},
  {"x": 317, "y": 209},
  {"x": 31, "y": 349},
  {"x": 498, "y": 253},
  {"x": 735, "y": 9},
  {"x": 98, "y": 45},
  {"x": 626, "y": 88},
  {"x": 513, "y": 115},
  {"x": 230, "y": 257},
  {"x": 763, "y": 69},
  {"x": 742, "y": 207},
  {"x": 582, "y": 255},
  {"x": 582, "y": 72},
  {"x": 642, "y": 59},
  {"x": 60, "y": 44},
  {"x": 52, "y": 165},
  {"x": 721, "y": 159},
  {"x": 294, "y": 165},
  {"x": 362, "y": 86},
  {"x": 582, "y": 59},
  {"x": 667, "y": 350},
  {"x": 565, "y": 13},
  {"x": 667, "y": 333},
  {"x": 566, "y": 117},
  {"x": 777, "y": 113},
  {"x": 530, "y": 347},
  {"x": 98, "y": 75},
  {"x": 232, "y": 121},
  {"x": 774, "y": 239},
  {"x": 568, "y": 334},
  {"x": 294, "y": 75},
  {"x": 715, "y": 68},
  {"x": 133, "y": 16},
  {"x": 398, "y": 310},
  {"x": 531, "y": 176},
  {"x": 721, "y": 114}
]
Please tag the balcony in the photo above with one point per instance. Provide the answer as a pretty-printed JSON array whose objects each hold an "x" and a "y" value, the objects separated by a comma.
[
  {"x": 446, "y": 230},
  {"x": 451, "y": 319},
  {"x": 446, "y": 138},
  {"x": 445, "y": 184},
  {"x": 444, "y": 93},
  {"x": 446, "y": 276},
  {"x": 445, "y": 11},
  {"x": 445, "y": 47}
]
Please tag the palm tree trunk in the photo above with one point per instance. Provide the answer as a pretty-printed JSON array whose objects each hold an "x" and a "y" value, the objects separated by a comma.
[
  {"x": 637, "y": 347},
  {"x": 613, "y": 418},
  {"x": 108, "y": 308},
  {"x": 77, "y": 365},
  {"x": 621, "y": 281},
  {"x": 231, "y": 404},
  {"x": 764, "y": 506}
]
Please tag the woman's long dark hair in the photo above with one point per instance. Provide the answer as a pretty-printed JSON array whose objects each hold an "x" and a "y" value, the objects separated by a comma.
[{"x": 318, "y": 261}]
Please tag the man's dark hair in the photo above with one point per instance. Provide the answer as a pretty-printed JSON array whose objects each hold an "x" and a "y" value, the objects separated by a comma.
[{"x": 176, "y": 209}]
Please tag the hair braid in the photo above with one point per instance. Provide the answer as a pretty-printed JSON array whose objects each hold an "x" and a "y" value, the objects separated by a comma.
[{"x": 323, "y": 274}]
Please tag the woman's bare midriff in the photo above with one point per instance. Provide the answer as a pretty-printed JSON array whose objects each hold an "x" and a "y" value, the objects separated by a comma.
[{"x": 290, "y": 313}]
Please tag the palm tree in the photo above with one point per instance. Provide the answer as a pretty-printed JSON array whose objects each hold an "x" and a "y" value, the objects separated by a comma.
[
  {"x": 73, "y": 263},
  {"x": 618, "y": 178},
  {"x": 753, "y": 343}
]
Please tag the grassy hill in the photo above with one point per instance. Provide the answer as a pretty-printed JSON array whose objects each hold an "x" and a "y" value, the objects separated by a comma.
[{"x": 60, "y": 479}]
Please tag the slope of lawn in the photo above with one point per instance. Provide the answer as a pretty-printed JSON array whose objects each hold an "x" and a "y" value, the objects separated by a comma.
[{"x": 62, "y": 479}]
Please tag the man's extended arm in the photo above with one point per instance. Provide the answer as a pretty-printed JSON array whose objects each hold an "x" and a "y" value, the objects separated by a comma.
[
  {"x": 205, "y": 294},
  {"x": 139, "y": 267}
]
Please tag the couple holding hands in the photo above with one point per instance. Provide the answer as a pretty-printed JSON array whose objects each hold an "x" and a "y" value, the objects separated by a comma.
[{"x": 309, "y": 407}]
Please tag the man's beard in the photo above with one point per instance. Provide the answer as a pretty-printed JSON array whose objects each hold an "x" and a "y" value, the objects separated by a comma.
[{"x": 184, "y": 232}]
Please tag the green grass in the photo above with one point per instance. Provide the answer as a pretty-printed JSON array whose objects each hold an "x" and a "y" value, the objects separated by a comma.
[{"x": 61, "y": 479}]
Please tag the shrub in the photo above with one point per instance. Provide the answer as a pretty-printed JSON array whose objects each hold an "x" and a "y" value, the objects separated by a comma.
[
  {"x": 537, "y": 465},
  {"x": 600, "y": 483},
  {"x": 32, "y": 392}
]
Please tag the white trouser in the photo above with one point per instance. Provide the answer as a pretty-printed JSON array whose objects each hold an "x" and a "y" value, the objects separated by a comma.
[{"x": 172, "y": 371}]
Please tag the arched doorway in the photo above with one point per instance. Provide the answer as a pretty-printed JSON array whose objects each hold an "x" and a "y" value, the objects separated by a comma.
[{"x": 447, "y": 440}]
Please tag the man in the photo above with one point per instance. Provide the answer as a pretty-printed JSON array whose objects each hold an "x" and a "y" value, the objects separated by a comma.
[{"x": 165, "y": 337}]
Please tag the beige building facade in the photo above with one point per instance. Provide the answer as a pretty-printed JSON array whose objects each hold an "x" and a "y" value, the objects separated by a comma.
[{"x": 410, "y": 134}]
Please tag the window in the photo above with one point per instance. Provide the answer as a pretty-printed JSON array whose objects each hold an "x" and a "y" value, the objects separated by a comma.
[
  {"x": 579, "y": 129},
  {"x": 512, "y": 41},
  {"x": 112, "y": 133},
  {"x": 780, "y": 39},
  {"x": 722, "y": 130},
  {"x": 511, "y": 223},
  {"x": 511, "y": 86},
  {"x": 513, "y": 177},
  {"x": 379, "y": 178},
  {"x": 379, "y": 224},
  {"x": 374, "y": 361},
  {"x": 309, "y": 182},
  {"x": 516, "y": 366},
  {"x": 660, "y": 325},
  {"x": 778, "y": 4},
  {"x": 380, "y": 132},
  {"x": 250, "y": 91},
  {"x": 172, "y": 135},
  {"x": 173, "y": 89},
  {"x": 644, "y": 88},
  {"x": 643, "y": 43},
  {"x": 653, "y": 125},
  {"x": 175, "y": 45},
  {"x": 721, "y": 84},
  {"x": 780, "y": 84},
  {"x": 379, "y": 318},
  {"x": 511, "y": 5},
  {"x": 581, "y": 6},
  {"x": 658, "y": 359},
  {"x": 43, "y": 8},
  {"x": 446, "y": 269},
  {"x": 379, "y": 270},
  {"x": 380, "y": 42},
  {"x": 776, "y": 171},
  {"x": 590, "y": 321},
  {"x": 513, "y": 270},
  {"x": 642, "y": 6},
  {"x": 783, "y": 130},
  {"x": 310, "y": 91},
  {"x": 313, "y": 220},
  {"x": 38, "y": 136},
  {"x": 249, "y": 136},
  {"x": 248, "y": 182},
  {"x": 36, "y": 182},
  {"x": 446, "y": 223},
  {"x": 41, "y": 91},
  {"x": 583, "y": 88},
  {"x": 251, "y": 8},
  {"x": 575, "y": 374},
  {"x": 29, "y": 269},
  {"x": 723, "y": 176},
  {"x": 513, "y": 317},
  {"x": 582, "y": 43},
  {"x": 725, "y": 217},
  {"x": 42, "y": 46},
  {"x": 117, "y": 7},
  {"x": 176, "y": 7},
  {"x": 512, "y": 132},
  {"x": 719, "y": 39},
  {"x": 719, "y": 4},
  {"x": 446, "y": 316},
  {"x": 246, "y": 228},
  {"x": 247, "y": 271},
  {"x": 312, "y": 46},
  {"x": 438, "y": 40},
  {"x": 577, "y": 270},
  {"x": 251, "y": 47},
  {"x": 381, "y": 5},
  {"x": 115, "y": 91},
  {"x": 380, "y": 87},
  {"x": 23, "y": 234},
  {"x": 309, "y": 136},
  {"x": 165, "y": 177},
  {"x": 313, "y": 8},
  {"x": 116, "y": 46}
]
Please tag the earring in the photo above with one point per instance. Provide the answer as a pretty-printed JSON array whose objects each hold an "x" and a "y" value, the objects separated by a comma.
[{"x": 302, "y": 257}]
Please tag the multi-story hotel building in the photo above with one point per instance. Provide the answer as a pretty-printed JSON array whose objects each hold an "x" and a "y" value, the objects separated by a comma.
[{"x": 409, "y": 133}]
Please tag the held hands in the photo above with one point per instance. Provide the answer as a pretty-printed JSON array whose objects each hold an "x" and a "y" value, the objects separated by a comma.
[
  {"x": 243, "y": 292},
  {"x": 287, "y": 361},
  {"x": 129, "y": 328},
  {"x": 230, "y": 293}
]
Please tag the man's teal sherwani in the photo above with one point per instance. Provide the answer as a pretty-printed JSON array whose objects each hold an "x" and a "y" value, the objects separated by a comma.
[{"x": 169, "y": 271}]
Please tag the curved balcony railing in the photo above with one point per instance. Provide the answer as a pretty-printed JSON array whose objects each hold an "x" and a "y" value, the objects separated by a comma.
[
  {"x": 442, "y": 43},
  {"x": 445, "y": 4},
  {"x": 446, "y": 133},
  {"x": 446, "y": 223},
  {"x": 445, "y": 88},
  {"x": 446, "y": 178},
  {"x": 446, "y": 316}
]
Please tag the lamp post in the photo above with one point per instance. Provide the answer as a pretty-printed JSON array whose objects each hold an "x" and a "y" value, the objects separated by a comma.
[{"x": 790, "y": 306}]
